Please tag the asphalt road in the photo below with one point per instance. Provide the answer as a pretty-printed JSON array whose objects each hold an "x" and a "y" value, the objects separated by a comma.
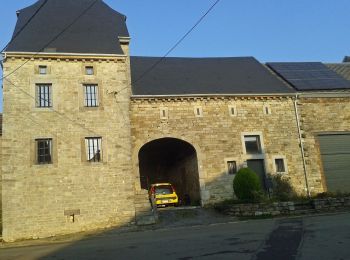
[{"x": 316, "y": 237}]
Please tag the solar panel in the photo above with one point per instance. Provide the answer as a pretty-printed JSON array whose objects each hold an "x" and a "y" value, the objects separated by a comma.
[{"x": 309, "y": 75}]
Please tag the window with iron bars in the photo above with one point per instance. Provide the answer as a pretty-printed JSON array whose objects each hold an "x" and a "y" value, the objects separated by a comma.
[
  {"x": 91, "y": 95},
  {"x": 44, "y": 151},
  {"x": 44, "y": 96},
  {"x": 93, "y": 149}
]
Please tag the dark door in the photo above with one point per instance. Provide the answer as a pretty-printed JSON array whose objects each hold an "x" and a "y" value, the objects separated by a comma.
[{"x": 258, "y": 167}]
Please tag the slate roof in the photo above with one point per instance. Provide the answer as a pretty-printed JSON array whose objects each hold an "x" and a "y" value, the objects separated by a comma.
[
  {"x": 183, "y": 76},
  {"x": 342, "y": 69},
  {"x": 96, "y": 31}
]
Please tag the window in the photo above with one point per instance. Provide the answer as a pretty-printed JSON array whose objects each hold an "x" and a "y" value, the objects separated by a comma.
[
  {"x": 43, "y": 98},
  {"x": 89, "y": 70},
  {"x": 44, "y": 151},
  {"x": 252, "y": 144},
  {"x": 280, "y": 166},
  {"x": 232, "y": 110},
  {"x": 93, "y": 149},
  {"x": 91, "y": 95},
  {"x": 198, "y": 111},
  {"x": 43, "y": 70},
  {"x": 163, "y": 113},
  {"x": 231, "y": 167},
  {"x": 267, "y": 110}
]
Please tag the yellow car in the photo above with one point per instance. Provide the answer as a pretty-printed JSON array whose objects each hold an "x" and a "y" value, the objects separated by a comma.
[{"x": 164, "y": 194}]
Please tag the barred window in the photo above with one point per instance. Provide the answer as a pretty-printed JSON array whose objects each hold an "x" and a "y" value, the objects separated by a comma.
[
  {"x": 44, "y": 151},
  {"x": 279, "y": 164},
  {"x": 91, "y": 95},
  {"x": 93, "y": 149},
  {"x": 232, "y": 167},
  {"x": 44, "y": 96}
]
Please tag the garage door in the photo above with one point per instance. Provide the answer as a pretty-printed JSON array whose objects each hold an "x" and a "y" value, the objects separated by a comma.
[{"x": 335, "y": 154}]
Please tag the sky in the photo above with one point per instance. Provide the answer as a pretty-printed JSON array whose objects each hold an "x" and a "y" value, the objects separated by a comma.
[{"x": 269, "y": 30}]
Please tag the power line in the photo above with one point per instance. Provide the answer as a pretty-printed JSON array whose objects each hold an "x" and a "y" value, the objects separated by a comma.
[
  {"x": 173, "y": 47},
  {"x": 51, "y": 108},
  {"x": 25, "y": 25},
  {"x": 146, "y": 72},
  {"x": 53, "y": 39}
]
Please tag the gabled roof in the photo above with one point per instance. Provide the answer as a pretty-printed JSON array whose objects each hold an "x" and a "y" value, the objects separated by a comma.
[
  {"x": 203, "y": 76},
  {"x": 343, "y": 69},
  {"x": 96, "y": 31}
]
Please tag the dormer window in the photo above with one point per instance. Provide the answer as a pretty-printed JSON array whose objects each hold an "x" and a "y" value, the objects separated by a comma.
[
  {"x": 89, "y": 70},
  {"x": 42, "y": 70}
]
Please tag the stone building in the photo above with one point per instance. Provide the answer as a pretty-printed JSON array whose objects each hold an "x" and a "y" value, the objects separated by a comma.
[{"x": 86, "y": 130}]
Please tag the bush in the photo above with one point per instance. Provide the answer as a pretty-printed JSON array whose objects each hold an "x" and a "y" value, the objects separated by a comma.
[
  {"x": 282, "y": 190},
  {"x": 247, "y": 186}
]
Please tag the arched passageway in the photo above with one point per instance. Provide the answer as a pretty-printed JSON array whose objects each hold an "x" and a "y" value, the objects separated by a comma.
[{"x": 174, "y": 161}]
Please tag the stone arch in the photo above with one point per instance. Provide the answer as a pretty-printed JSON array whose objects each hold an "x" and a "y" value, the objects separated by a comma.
[{"x": 169, "y": 159}]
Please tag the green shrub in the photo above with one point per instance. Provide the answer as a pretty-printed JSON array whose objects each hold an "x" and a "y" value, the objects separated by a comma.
[
  {"x": 247, "y": 186},
  {"x": 282, "y": 189}
]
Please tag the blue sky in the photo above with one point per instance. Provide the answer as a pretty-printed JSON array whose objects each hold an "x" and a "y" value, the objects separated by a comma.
[{"x": 270, "y": 30}]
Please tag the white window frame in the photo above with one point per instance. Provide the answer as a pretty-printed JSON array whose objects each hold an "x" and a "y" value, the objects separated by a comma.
[
  {"x": 92, "y": 145},
  {"x": 96, "y": 97},
  {"x": 39, "y": 98},
  {"x": 49, "y": 140},
  {"x": 282, "y": 157}
]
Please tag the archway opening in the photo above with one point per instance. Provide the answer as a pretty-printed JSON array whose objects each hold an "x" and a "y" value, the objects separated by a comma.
[{"x": 172, "y": 161}]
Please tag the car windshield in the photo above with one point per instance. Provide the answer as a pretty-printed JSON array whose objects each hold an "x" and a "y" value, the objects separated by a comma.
[{"x": 163, "y": 190}]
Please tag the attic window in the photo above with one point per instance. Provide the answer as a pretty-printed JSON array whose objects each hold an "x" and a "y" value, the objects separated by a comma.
[
  {"x": 42, "y": 70},
  {"x": 89, "y": 70}
]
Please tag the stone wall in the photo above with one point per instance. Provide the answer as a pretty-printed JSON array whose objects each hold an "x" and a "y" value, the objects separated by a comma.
[
  {"x": 286, "y": 208},
  {"x": 71, "y": 194},
  {"x": 217, "y": 135},
  {"x": 0, "y": 179},
  {"x": 321, "y": 115}
]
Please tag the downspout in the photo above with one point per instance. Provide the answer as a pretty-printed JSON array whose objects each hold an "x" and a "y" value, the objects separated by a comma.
[{"x": 301, "y": 144}]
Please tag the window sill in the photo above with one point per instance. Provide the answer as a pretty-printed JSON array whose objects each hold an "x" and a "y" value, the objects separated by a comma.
[
  {"x": 43, "y": 109},
  {"x": 94, "y": 164},
  {"x": 86, "y": 109},
  {"x": 43, "y": 166},
  {"x": 282, "y": 173},
  {"x": 257, "y": 156}
]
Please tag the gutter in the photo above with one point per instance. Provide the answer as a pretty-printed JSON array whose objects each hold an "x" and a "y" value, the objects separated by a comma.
[
  {"x": 214, "y": 95},
  {"x": 301, "y": 144},
  {"x": 64, "y": 54},
  {"x": 336, "y": 94}
]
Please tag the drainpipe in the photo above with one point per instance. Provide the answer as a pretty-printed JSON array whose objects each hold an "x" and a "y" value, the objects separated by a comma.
[{"x": 301, "y": 144}]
